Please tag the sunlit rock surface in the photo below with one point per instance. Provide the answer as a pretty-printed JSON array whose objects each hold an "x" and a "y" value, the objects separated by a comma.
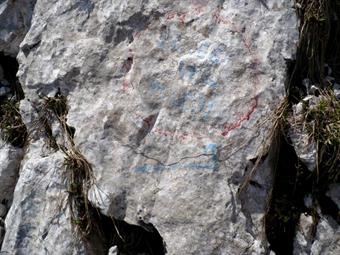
[{"x": 171, "y": 103}]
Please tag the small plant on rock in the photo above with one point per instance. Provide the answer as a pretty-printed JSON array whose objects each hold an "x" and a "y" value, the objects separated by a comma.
[
  {"x": 79, "y": 179},
  {"x": 13, "y": 129},
  {"x": 323, "y": 124}
]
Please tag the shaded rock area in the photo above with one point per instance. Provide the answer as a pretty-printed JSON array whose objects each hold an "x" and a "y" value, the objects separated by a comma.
[
  {"x": 168, "y": 105},
  {"x": 15, "y": 21}
]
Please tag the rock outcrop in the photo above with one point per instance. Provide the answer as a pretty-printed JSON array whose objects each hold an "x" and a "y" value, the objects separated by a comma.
[{"x": 171, "y": 102}]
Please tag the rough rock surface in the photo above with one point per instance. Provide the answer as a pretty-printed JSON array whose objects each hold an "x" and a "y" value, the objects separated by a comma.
[
  {"x": 326, "y": 241},
  {"x": 169, "y": 100},
  {"x": 15, "y": 18},
  {"x": 10, "y": 158}
]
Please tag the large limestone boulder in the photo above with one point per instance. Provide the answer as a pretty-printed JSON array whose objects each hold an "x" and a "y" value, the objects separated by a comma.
[{"x": 170, "y": 101}]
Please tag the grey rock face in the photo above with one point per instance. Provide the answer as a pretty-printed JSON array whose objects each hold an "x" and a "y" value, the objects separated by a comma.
[
  {"x": 169, "y": 101},
  {"x": 166, "y": 99},
  {"x": 326, "y": 241},
  {"x": 15, "y": 17},
  {"x": 10, "y": 159}
]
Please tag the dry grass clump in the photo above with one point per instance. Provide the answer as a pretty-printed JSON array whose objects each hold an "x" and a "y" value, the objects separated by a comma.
[
  {"x": 13, "y": 129},
  {"x": 315, "y": 17},
  {"x": 79, "y": 179},
  {"x": 78, "y": 171},
  {"x": 56, "y": 104},
  {"x": 50, "y": 109}
]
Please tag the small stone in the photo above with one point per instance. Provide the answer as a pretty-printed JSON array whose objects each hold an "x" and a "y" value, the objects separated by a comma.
[
  {"x": 337, "y": 90},
  {"x": 314, "y": 90},
  {"x": 4, "y": 91},
  {"x": 113, "y": 250}
]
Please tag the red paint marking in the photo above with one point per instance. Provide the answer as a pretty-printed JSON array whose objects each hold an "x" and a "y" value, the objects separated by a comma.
[
  {"x": 136, "y": 35},
  {"x": 181, "y": 17},
  {"x": 247, "y": 42},
  {"x": 198, "y": 9},
  {"x": 170, "y": 15},
  {"x": 246, "y": 116},
  {"x": 125, "y": 86}
]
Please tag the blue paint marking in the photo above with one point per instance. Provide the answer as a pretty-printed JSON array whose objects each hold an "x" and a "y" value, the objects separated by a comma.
[
  {"x": 178, "y": 102},
  {"x": 212, "y": 164},
  {"x": 174, "y": 45},
  {"x": 217, "y": 54},
  {"x": 186, "y": 71},
  {"x": 202, "y": 49},
  {"x": 141, "y": 169},
  {"x": 212, "y": 84},
  {"x": 157, "y": 86},
  {"x": 209, "y": 110},
  {"x": 211, "y": 148}
]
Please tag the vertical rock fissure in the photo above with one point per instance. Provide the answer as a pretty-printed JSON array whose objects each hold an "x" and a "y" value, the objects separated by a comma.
[
  {"x": 309, "y": 78},
  {"x": 286, "y": 202},
  {"x": 13, "y": 132}
]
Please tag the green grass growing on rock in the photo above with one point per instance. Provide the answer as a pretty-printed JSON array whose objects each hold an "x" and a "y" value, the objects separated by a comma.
[
  {"x": 323, "y": 125},
  {"x": 318, "y": 45},
  {"x": 323, "y": 120}
]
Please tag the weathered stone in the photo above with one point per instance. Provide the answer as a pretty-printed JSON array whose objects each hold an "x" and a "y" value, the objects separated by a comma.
[
  {"x": 303, "y": 142},
  {"x": 113, "y": 250},
  {"x": 166, "y": 98},
  {"x": 10, "y": 158},
  {"x": 326, "y": 240},
  {"x": 334, "y": 193},
  {"x": 304, "y": 146},
  {"x": 40, "y": 191},
  {"x": 169, "y": 100},
  {"x": 15, "y": 17}
]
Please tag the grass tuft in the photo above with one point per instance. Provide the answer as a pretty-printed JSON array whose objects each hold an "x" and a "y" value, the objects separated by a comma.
[
  {"x": 323, "y": 120},
  {"x": 13, "y": 129},
  {"x": 79, "y": 179},
  {"x": 323, "y": 125}
]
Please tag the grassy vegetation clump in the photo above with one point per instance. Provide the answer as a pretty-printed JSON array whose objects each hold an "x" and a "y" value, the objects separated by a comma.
[
  {"x": 13, "y": 129},
  {"x": 315, "y": 18},
  {"x": 52, "y": 108},
  {"x": 79, "y": 179},
  {"x": 323, "y": 124},
  {"x": 56, "y": 104},
  {"x": 323, "y": 120},
  {"x": 78, "y": 171}
]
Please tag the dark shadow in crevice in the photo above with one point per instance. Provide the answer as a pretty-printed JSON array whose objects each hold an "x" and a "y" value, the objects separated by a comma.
[
  {"x": 292, "y": 181},
  {"x": 129, "y": 239},
  {"x": 10, "y": 67},
  {"x": 13, "y": 129},
  {"x": 147, "y": 125}
]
